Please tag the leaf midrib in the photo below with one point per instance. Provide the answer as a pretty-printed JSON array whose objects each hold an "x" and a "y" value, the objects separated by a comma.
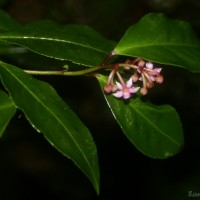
[
  {"x": 166, "y": 45},
  {"x": 55, "y": 40},
  {"x": 65, "y": 128}
]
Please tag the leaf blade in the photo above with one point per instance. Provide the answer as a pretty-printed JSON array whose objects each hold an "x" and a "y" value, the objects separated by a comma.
[
  {"x": 77, "y": 43},
  {"x": 162, "y": 40},
  {"x": 145, "y": 125},
  {"x": 49, "y": 114}
]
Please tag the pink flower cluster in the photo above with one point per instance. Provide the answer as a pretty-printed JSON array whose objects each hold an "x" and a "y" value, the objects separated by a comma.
[{"x": 141, "y": 71}]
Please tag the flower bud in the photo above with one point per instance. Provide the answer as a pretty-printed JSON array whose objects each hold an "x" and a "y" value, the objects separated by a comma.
[
  {"x": 159, "y": 79},
  {"x": 107, "y": 88},
  {"x": 143, "y": 91},
  {"x": 141, "y": 63},
  {"x": 149, "y": 84},
  {"x": 114, "y": 88},
  {"x": 135, "y": 77}
]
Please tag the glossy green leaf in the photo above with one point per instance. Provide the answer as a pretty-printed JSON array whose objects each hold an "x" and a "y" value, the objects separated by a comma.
[
  {"x": 7, "y": 111},
  {"x": 6, "y": 22},
  {"x": 77, "y": 43},
  {"x": 162, "y": 40},
  {"x": 156, "y": 131},
  {"x": 49, "y": 114}
]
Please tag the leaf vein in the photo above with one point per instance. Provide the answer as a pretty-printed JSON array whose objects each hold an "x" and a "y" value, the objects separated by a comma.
[{"x": 153, "y": 125}]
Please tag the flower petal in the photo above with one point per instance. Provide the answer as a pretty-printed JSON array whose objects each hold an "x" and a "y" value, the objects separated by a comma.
[
  {"x": 158, "y": 70},
  {"x": 126, "y": 95},
  {"x": 134, "y": 89},
  {"x": 129, "y": 83},
  {"x": 119, "y": 86},
  {"x": 118, "y": 94},
  {"x": 149, "y": 65}
]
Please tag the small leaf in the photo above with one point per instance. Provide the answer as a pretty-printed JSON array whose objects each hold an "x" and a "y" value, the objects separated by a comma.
[
  {"x": 162, "y": 40},
  {"x": 6, "y": 22},
  {"x": 49, "y": 114},
  {"x": 156, "y": 131},
  {"x": 7, "y": 111},
  {"x": 77, "y": 43}
]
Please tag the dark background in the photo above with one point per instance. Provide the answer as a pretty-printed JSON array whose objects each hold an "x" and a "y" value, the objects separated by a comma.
[{"x": 31, "y": 169}]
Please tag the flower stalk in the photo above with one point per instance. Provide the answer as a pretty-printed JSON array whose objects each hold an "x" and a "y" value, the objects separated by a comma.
[
  {"x": 65, "y": 72},
  {"x": 138, "y": 68}
]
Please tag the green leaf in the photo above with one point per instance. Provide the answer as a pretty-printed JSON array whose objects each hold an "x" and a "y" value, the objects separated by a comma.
[
  {"x": 162, "y": 40},
  {"x": 6, "y": 22},
  {"x": 77, "y": 43},
  {"x": 49, "y": 114},
  {"x": 156, "y": 131},
  {"x": 7, "y": 111}
]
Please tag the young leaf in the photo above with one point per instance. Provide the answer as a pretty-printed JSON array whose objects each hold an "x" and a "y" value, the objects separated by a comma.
[
  {"x": 156, "y": 131},
  {"x": 7, "y": 111},
  {"x": 77, "y": 43},
  {"x": 49, "y": 114},
  {"x": 162, "y": 40}
]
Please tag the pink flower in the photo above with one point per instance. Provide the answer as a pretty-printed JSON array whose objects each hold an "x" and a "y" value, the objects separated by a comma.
[
  {"x": 152, "y": 72},
  {"x": 142, "y": 71},
  {"x": 149, "y": 75},
  {"x": 125, "y": 90}
]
